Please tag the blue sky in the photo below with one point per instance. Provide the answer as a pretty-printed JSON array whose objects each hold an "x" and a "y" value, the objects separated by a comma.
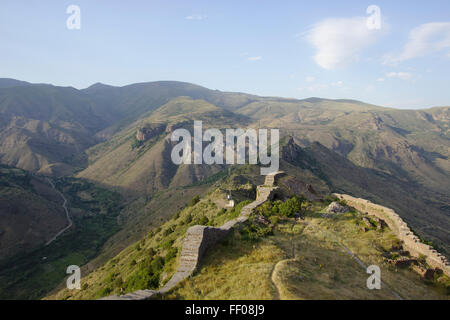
[{"x": 279, "y": 48}]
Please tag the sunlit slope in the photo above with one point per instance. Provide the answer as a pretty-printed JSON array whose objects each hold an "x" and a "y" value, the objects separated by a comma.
[
  {"x": 148, "y": 167},
  {"x": 305, "y": 260},
  {"x": 411, "y": 144}
]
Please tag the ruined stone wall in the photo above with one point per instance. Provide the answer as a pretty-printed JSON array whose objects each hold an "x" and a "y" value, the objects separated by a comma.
[
  {"x": 411, "y": 242},
  {"x": 199, "y": 238}
]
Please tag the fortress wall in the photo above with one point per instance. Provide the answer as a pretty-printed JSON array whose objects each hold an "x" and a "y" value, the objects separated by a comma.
[
  {"x": 411, "y": 242},
  {"x": 199, "y": 238}
]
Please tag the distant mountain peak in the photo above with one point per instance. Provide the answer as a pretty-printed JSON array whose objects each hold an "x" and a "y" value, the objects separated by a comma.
[
  {"x": 98, "y": 85},
  {"x": 8, "y": 83}
]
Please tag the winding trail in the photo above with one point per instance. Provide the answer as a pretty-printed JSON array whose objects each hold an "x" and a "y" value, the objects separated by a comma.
[
  {"x": 64, "y": 205},
  {"x": 274, "y": 281},
  {"x": 273, "y": 276}
]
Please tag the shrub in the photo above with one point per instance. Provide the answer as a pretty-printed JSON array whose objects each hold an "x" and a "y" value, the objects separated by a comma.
[
  {"x": 172, "y": 253},
  {"x": 167, "y": 232},
  {"x": 151, "y": 252},
  {"x": 266, "y": 209},
  {"x": 104, "y": 292},
  {"x": 188, "y": 219},
  {"x": 167, "y": 244},
  {"x": 194, "y": 201},
  {"x": 290, "y": 207},
  {"x": 254, "y": 232},
  {"x": 274, "y": 219},
  {"x": 157, "y": 264},
  {"x": 203, "y": 221}
]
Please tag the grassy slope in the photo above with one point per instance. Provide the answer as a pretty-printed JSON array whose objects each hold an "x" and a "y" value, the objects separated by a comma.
[
  {"x": 267, "y": 268},
  {"x": 130, "y": 269},
  {"x": 302, "y": 261}
]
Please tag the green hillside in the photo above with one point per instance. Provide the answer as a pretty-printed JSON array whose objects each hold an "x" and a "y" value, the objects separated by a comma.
[{"x": 271, "y": 257}]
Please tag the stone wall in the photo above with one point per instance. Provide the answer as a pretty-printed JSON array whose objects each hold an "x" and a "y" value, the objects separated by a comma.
[
  {"x": 411, "y": 242},
  {"x": 199, "y": 238}
]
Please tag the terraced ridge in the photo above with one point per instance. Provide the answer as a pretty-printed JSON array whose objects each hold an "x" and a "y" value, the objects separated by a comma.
[{"x": 199, "y": 238}]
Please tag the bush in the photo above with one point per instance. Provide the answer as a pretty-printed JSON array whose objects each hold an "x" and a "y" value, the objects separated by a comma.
[
  {"x": 172, "y": 253},
  {"x": 104, "y": 292},
  {"x": 329, "y": 199},
  {"x": 142, "y": 280},
  {"x": 203, "y": 221},
  {"x": 151, "y": 252},
  {"x": 194, "y": 201},
  {"x": 167, "y": 231},
  {"x": 188, "y": 219},
  {"x": 254, "y": 232},
  {"x": 274, "y": 219},
  {"x": 266, "y": 209},
  {"x": 290, "y": 207},
  {"x": 167, "y": 244},
  {"x": 157, "y": 264}
]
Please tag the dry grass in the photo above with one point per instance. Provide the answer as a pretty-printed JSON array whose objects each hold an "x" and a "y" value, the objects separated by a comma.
[{"x": 308, "y": 262}]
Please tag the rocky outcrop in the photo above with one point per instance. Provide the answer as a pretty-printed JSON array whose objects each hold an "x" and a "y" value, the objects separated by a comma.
[
  {"x": 149, "y": 131},
  {"x": 336, "y": 207},
  {"x": 199, "y": 238},
  {"x": 298, "y": 187},
  {"x": 411, "y": 242}
]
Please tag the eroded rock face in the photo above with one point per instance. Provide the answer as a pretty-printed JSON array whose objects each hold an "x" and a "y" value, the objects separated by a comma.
[
  {"x": 149, "y": 131},
  {"x": 300, "y": 188},
  {"x": 336, "y": 207}
]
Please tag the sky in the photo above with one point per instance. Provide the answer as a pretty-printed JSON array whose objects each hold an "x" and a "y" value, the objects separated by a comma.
[{"x": 297, "y": 49}]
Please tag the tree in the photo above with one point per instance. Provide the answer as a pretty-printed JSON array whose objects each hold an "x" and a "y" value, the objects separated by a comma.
[{"x": 290, "y": 207}]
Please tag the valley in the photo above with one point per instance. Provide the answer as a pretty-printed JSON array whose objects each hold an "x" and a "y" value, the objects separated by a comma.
[{"x": 107, "y": 150}]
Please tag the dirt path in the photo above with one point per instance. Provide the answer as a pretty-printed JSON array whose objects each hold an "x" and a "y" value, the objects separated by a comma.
[
  {"x": 64, "y": 205},
  {"x": 273, "y": 280},
  {"x": 279, "y": 263}
]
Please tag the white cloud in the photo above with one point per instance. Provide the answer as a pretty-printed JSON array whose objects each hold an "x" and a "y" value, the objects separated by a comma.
[
  {"x": 380, "y": 79},
  {"x": 254, "y": 58},
  {"x": 399, "y": 75},
  {"x": 196, "y": 17},
  {"x": 310, "y": 79},
  {"x": 423, "y": 40},
  {"x": 340, "y": 41}
]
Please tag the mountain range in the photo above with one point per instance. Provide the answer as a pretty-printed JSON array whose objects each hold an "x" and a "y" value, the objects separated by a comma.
[{"x": 117, "y": 139}]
